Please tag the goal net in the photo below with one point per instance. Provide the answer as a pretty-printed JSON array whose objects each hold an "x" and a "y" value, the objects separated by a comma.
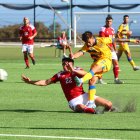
[{"x": 93, "y": 21}]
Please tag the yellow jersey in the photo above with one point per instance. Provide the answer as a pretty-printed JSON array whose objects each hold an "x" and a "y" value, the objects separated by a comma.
[
  {"x": 123, "y": 29},
  {"x": 100, "y": 49}
]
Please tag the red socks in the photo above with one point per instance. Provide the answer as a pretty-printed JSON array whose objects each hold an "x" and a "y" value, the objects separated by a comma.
[
  {"x": 26, "y": 61},
  {"x": 116, "y": 71}
]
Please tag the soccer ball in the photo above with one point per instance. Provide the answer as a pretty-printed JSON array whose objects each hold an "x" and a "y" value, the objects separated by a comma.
[{"x": 3, "y": 75}]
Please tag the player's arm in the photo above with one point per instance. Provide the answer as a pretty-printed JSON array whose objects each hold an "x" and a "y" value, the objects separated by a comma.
[
  {"x": 127, "y": 40},
  {"x": 34, "y": 34},
  {"x": 101, "y": 34},
  {"x": 37, "y": 82},
  {"x": 20, "y": 34},
  {"x": 77, "y": 54},
  {"x": 80, "y": 72},
  {"x": 77, "y": 70}
]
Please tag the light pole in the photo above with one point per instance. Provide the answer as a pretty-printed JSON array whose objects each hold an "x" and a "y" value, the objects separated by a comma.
[
  {"x": 69, "y": 2},
  {"x": 34, "y": 11},
  {"x": 54, "y": 24}
]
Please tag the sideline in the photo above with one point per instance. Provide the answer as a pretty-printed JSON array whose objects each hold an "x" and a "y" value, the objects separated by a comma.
[{"x": 52, "y": 137}]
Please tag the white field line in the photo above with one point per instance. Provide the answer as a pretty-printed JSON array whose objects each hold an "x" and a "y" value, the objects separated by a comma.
[{"x": 52, "y": 137}]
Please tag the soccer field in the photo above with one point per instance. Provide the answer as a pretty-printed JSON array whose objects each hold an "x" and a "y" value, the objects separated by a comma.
[{"x": 35, "y": 113}]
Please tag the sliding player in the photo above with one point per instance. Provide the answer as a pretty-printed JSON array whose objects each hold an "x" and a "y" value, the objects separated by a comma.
[
  {"x": 75, "y": 95},
  {"x": 124, "y": 32},
  {"x": 27, "y": 33},
  {"x": 108, "y": 31}
]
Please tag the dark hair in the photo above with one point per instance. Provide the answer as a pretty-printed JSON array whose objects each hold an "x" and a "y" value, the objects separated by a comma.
[
  {"x": 125, "y": 16},
  {"x": 86, "y": 35},
  {"x": 109, "y": 17},
  {"x": 67, "y": 59}
]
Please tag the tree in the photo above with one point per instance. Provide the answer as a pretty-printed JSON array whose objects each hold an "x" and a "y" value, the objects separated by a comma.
[{"x": 57, "y": 30}]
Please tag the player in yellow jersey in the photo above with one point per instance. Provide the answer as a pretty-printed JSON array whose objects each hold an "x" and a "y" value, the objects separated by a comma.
[
  {"x": 101, "y": 54},
  {"x": 124, "y": 33}
]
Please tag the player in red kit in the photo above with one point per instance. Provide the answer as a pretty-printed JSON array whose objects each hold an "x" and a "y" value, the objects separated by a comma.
[
  {"x": 108, "y": 31},
  {"x": 27, "y": 33},
  {"x": 77, "y": 98}
]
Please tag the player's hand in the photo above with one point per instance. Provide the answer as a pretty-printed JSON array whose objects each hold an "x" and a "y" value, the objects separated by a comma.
[
  {"x": 71, "y": 55},
  {"x": 20, "y": 38},
  {"x": 70, "y": 67},
  {"x": 137, "y": 41},
  {"x": 31, "y": 37},
  {"x": 25, "y": 79}
]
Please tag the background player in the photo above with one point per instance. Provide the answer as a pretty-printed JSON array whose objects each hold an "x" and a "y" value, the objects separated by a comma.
[
  {"x": 27, "y": 33},
  {"x": 63, "y": 44},
  {"x": 124, "y": 32},
  {"x": 75, "y": 95},
  {"x": 108, "y": 31}
]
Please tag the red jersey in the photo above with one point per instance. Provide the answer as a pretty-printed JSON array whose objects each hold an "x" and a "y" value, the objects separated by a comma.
[
  {"x": 26, "y": 32},
  {"x": 68, "y": 84},
  {"x": 107, "y": 32}
]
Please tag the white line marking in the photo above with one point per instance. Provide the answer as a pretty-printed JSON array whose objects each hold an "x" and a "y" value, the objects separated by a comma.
[{"x": 52, "y": 137}]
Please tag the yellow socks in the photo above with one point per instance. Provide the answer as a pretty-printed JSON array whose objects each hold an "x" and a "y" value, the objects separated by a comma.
[
  {"x": 91, "y": 92},
  {"x": 88, "y": 76}
]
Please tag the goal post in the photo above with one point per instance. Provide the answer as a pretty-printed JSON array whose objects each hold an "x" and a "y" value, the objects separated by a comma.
[{"x": 93, "y": 21}]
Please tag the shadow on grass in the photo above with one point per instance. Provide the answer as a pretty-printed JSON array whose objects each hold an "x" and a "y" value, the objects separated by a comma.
[
  {"x": 32, "y": 111},
  {"x": 76, "y": 128}
]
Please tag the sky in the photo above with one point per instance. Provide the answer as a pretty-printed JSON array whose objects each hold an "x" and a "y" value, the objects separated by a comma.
[{"x": 10, "y": 17}]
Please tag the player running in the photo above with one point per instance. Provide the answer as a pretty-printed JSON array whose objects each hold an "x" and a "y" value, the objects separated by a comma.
[
  {"x": 27, "y": 33},
  {"x": 108, "y": 31},
  {"x": 124, "y": 32},
  {"x": 101, "y": 54},
  {"x": 75, "y": 95}
]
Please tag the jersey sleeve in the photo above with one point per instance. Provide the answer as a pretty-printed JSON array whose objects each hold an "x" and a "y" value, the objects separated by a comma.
[
  {"x": 34, "y": 31},
  {"x": 120, "y": 28},
  {"x": 83, "y": 49},
  {"x": 101, "y": 32},
  {"x": 55, "y": 78}
]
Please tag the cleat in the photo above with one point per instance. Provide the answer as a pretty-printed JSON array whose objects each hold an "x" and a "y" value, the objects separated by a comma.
[
  {"x": 33, "y": 61},
  {"x": 78, "y": 81},
  {"x": 136, "y": 68},
  {"x": 27, "y": 67},
  {"x": 100, "y": 81},
  {"x": 90, "y": 110},
  {"x": 114, "y": 109},
  {"x": 65, "y": 56},
  {"x": 118, "y": 81},
  {"x": 91, "y": 104}
]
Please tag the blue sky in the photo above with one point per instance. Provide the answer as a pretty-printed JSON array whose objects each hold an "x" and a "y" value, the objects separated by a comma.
[{"x": 10, "y": 17}]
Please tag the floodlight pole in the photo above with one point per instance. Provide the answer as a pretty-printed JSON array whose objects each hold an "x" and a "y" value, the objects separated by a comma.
[
  {"x": 54, "y": 27},
  {"x": 71, "y": 17},
  {"x": 34, "y": 11},
  {"x": 108, "y": 5},
  {"x": 70, "y": 2}
]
